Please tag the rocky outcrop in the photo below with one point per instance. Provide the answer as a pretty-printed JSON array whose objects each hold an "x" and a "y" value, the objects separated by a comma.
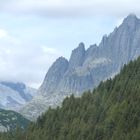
[
  {"x": 77, "y": 56},
  {"x": 54, "y": 75}
]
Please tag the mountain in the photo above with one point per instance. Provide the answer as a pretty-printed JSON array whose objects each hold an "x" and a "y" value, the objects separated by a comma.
[
  {"x": 110, "y": 112},
  {"x": 14, "y": 95},
  {"x": 87, "y": 68},
  {"x": 10, "y": 120}
]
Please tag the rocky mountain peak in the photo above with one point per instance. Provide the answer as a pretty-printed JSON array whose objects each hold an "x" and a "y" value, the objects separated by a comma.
[
  {"x": 79, "y": 50},
  {"x": 131, "y": 21},
  {"x": 55, "y": 74},
  {"x": 131, "y": 17},
  {"x": 77, "y": 56},
  {"x": 81, "y": 46},
  {"x": 60, "y": 61}
]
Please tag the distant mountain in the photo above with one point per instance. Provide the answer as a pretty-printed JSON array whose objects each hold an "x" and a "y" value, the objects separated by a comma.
[
  {"x": 87, "y": 68},
  {"x": 10, "y": 120},
  {"x": 14, "y": 95},
  {"x": 110, "y": 112}
]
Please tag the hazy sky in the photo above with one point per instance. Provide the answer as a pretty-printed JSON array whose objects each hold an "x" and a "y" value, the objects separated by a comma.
[{"x": 33, "y": 33}]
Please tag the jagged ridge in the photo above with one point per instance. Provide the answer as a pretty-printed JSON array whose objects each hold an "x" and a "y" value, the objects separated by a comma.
[{"x": 87, "y": 68}]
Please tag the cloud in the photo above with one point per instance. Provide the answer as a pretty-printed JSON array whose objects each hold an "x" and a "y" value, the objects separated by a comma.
[
  {"x": 3, "y": 33},
  {"x": 72, "y": 8},
  {"x": 49, "y": 50},
  {"x": 24, "y": 62},
  {"x": 27, "y": 55},
  {"x": 4, "y": 36}
]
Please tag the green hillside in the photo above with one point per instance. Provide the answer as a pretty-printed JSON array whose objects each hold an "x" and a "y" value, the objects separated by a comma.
[
  {"x": 9, "y": 120},
  {"x": 110, "y": 112}
]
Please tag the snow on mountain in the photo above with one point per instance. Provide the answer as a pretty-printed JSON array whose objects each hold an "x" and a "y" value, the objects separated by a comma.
[{"x": 13, "y": 96}]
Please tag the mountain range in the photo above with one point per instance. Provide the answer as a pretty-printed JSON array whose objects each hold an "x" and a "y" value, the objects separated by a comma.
[
  {"x": 109, "y": 112},
  {"x": 86, "y": 68},
  {"x": 13, "y": 96}
]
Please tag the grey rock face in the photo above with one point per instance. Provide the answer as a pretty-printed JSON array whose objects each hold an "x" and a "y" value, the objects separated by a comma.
[
  {"x": 54, "y": 75},
  {"x": 87, "y": 68},
  {"x": 77, "y": 56}
]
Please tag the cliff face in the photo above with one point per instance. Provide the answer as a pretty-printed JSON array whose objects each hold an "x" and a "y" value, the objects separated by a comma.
[
  {"x": 87, "y": 68},
  {"x": 54, "y": 75}
]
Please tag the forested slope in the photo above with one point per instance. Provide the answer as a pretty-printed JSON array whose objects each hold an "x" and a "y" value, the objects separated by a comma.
[{"x": 110, "y": 112}]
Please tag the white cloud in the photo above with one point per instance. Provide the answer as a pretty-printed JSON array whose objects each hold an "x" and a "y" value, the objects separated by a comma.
[
  {"x": 49, "y": 50},
  {"x": 28, "y": 61},
  {"x": 3, "y": 33},
  {"x": 72, "y": 8},
  {"x": 24, "y": 62},
  {"x": 6, "y": 37}
]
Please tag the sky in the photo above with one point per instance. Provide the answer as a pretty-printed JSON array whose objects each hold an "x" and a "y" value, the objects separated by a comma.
[{"x": 34, "y": 33}]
